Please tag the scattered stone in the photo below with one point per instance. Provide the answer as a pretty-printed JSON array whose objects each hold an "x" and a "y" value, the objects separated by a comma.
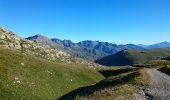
[
  {"x": 18, "y": 81},
  {"x": 49, "y": 72},
  {"x": 16, "y": 78},
  {"x": 22, "y": 64}
]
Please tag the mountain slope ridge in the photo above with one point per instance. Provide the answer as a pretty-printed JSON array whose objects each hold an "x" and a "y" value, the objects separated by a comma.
[
  {"x": 164, "y": 44},
  {"x": 131, "y": 57}
]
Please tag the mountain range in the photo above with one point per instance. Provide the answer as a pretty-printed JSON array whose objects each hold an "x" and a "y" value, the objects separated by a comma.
[
  {"x": 85, "y": 49},
  {"x": 164, "y": 44},
  {"x": 91, "y": 49},
  {"x": 68, "y": 51}
]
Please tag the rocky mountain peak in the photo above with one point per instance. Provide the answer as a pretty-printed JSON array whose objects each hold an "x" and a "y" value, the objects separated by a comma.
[
  {"x": 38, "y": 37},
  {"x": 41, "y": 39}
]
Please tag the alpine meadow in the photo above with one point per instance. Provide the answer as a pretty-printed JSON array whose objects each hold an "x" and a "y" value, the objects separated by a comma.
[{"x": 84, "y": 50}]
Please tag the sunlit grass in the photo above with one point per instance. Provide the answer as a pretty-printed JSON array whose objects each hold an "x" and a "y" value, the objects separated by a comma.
[{"x": 32, "y": 78}]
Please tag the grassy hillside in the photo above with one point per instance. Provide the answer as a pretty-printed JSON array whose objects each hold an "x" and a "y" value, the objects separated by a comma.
[
  {"x": 130, "y": 57},
  {"x": 30, "y": 78},
  {"x": 125, "y": 85}
]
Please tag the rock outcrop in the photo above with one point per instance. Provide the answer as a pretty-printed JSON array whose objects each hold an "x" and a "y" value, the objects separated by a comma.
[{"x": 10, "y": 40}]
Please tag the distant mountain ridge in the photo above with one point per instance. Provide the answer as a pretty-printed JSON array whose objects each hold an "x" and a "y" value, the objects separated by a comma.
[
  {"x": 164, "y": 44},
  {"x": 160, "y": 45},
  {"x": 85, "y": 49}
]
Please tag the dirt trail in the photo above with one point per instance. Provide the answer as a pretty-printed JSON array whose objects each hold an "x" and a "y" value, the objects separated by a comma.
[{"x": 159, "y": 88}]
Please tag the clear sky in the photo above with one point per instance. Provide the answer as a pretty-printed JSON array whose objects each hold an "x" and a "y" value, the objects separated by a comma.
[{"x": 116, "y": 21}]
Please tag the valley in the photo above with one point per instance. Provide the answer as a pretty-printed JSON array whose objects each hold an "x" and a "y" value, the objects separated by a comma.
[
  {"x": 39, "y": 68},
  {"x": 84, "y": 49}
]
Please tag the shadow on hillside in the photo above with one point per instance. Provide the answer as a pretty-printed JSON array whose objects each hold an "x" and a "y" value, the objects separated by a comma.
[
  {"x": 108, "y": 73},
  {"x": 165, "y": 70},
  {"x": 106, "y": 83}
]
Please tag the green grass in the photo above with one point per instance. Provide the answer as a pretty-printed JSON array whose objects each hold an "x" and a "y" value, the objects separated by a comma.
[
  {"x": 122, "y": 85},
  {"x": 142, "y": 79},
  {"x": 31, "y": 78},
  {"x": 113, "y": 71},
  {"x": 126, "y": 89}
]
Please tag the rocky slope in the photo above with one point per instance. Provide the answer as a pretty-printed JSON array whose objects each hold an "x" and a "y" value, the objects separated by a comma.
[{"x": 10, "y": 40}]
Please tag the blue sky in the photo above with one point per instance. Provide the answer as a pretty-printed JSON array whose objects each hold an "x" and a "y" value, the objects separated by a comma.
[{"x": 116, "y": 21}]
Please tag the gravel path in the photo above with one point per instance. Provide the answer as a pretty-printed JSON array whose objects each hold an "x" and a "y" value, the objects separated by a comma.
[{"x": 159, "y": 88}]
